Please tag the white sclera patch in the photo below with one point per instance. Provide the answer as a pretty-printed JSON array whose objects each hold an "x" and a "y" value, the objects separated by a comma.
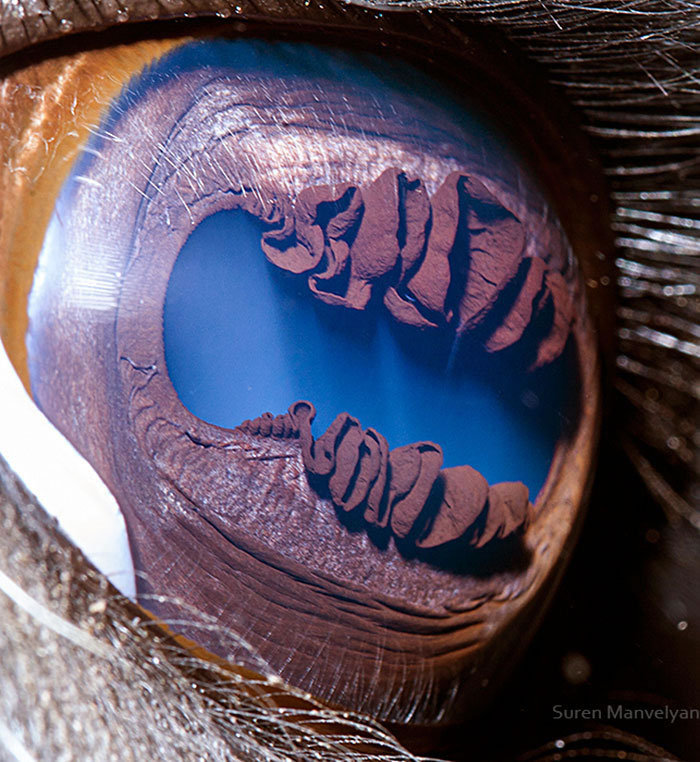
[{"x": 63, "y": 482}]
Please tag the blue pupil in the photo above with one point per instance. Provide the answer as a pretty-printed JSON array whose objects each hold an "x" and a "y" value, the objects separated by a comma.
[{"x": 242, "y": 338}]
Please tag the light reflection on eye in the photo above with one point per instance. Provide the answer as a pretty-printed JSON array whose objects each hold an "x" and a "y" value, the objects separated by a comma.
[{"x": 244, "y": 522}]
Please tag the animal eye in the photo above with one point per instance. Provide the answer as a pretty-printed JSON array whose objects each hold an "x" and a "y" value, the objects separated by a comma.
[{"x": 310, "y": 313}]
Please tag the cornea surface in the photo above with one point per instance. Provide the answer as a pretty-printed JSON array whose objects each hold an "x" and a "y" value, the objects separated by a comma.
[{"x": 227, "y": 519}]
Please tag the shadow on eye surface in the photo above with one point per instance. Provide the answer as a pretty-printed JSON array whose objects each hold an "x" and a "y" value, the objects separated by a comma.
[{"x": 290, "y": 400}]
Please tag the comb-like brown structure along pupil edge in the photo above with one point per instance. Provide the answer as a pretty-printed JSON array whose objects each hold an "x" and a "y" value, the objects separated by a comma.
[
  {"x": 393, "y": 236},
  {"x": 236, "y": 522},
  {"x": 394, "y": 487},
  {"x": 393, "y": 228}
]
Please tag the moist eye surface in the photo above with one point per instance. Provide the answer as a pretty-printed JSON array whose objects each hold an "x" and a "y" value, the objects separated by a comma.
[
  {"x": 315, "y": 324},
  {"x": 242, "y": 338}
]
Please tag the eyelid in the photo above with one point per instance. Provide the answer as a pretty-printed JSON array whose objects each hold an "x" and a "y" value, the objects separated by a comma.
[
  {"x": 65, "y": 484},
  {"x": 31, "y": 24}
]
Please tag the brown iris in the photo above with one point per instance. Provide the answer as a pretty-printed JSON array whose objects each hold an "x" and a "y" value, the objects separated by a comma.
[{"x": 240, "y": 523}]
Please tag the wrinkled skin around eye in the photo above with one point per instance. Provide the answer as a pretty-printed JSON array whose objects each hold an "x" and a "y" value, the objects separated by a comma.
[{"x": 143, "y": 733}]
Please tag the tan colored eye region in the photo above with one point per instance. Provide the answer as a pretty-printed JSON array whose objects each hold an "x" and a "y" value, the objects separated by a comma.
[{"x": 355, "y": 245}]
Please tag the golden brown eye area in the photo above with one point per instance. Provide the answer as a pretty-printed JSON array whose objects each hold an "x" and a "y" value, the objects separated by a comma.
[{"x": 364, "y": 563}]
